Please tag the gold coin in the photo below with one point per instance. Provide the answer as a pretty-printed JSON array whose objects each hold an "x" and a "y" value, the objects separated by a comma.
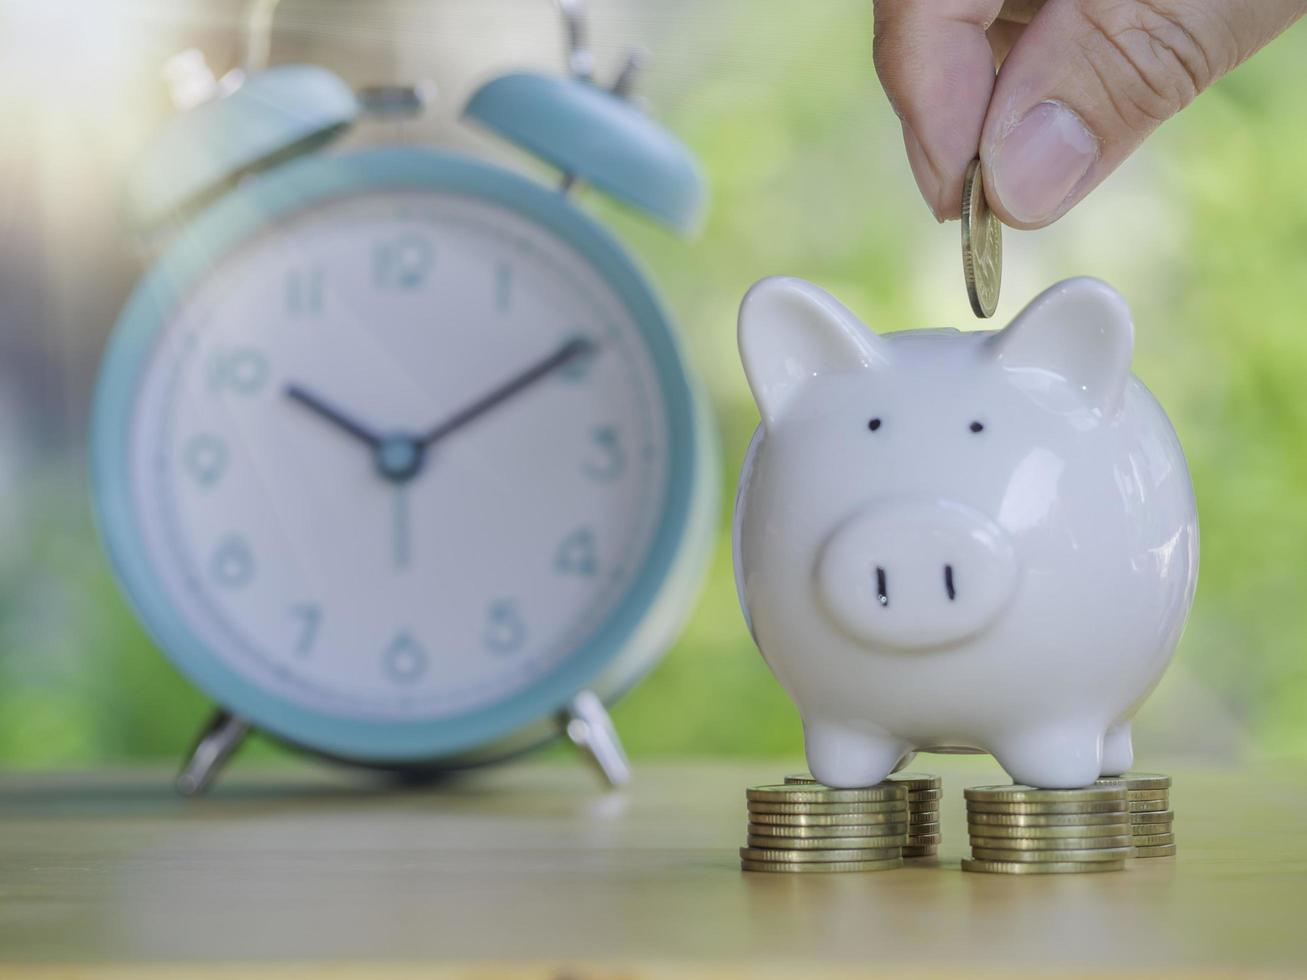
[
  {"x": 915, "y": 781},
  {"x": 827, "y": 843},
  {"x": 982, "y": 245},
  {"x": 1049, "y": 833},
  {"x": 801, "y": 857},
  {"x": 1137, "y": 780},
  {"x": 760, "y": 806},
  {"x": 1147, "y": 829},
  {"x": 1032, "y": 794},
  {"x": 1140, "y": 795},
  {"x": 924, "y": 840},
  {"x": 1146, "y": 780},
  {"x": 1156, "y": 816},
  {"x": 923, "y": 816},
  {"x": 1116, "y": 818},
  {"x": 925, "y": 796},
  {"x": 1148, "y": 806},
  {"x": 1020, "y": 11},
  {"x": 800, "y": 793},
  {"x": 820, "y": 867},
  {"x": 1162, "y": 851},
  {"x": 917, "y": 829},
  {"x": 1084, "y": 854},
  {"x": 1033, "y": 809},
  {"x": 913, "y": 851},
  {"x": 893, "y": 817},
  {"x": 817, "y": 833},
  {"x": 1041, "y": 868},
  {"x": 924, "y": 806},
  {"x": 1053, "y": 843},
  {"x": 1153, "y": 840}
]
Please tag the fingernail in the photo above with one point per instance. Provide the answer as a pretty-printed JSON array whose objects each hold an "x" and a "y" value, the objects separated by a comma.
[
  {"x": 924, "y": 173},
  {"x": 1040, "y": 161}
]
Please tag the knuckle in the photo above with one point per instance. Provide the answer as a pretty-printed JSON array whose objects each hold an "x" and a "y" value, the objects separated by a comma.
[
  {"x": 1153, "y": 57},
  {"x": 882, "y": 39},
  {"x": 891, "y": 33},
  {"x": 882, "y": 54},
  {"x": 893, "y": 42}
]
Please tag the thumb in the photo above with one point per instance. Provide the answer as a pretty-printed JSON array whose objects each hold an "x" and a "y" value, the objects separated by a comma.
[{"x": 1090, "y": 79}]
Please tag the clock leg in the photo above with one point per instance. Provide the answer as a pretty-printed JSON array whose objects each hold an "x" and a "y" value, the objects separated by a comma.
[
  {"x": 586, "y": 722},
  {"x": 221, "y": 737}
]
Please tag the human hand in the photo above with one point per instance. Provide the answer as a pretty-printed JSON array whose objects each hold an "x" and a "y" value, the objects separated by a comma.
[{"x": 1082, "y": 83}]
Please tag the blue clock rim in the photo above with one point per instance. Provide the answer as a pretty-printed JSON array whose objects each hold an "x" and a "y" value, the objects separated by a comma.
[{"x": 249, "y": 210}]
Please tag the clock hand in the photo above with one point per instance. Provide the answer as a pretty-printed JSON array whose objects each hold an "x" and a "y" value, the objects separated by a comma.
[
  {"x": 333, "y": 415},
  {"x": 571, "y": 350}
]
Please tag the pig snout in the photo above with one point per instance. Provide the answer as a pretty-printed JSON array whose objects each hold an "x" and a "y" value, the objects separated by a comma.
[{"x": 915, "y": 575}]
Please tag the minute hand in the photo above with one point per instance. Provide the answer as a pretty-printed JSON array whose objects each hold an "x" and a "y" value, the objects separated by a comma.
[{"x": 568, "y": 352}]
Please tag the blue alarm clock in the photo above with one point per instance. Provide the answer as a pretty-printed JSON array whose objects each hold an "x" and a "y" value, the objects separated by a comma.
[{"x": 394, "y": 451}]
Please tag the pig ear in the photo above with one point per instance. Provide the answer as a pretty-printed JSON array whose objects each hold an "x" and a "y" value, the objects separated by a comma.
[
  {"x": 1079, "y": 330},
  {"x": 792, "y": 331}
]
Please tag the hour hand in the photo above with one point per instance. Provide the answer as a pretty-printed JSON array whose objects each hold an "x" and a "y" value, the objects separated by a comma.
[{"x": 332, "y": 414}]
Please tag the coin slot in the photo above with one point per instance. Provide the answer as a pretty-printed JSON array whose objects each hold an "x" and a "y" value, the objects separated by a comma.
[
  {"x": 874, "y": 424},
  {"x": 948, "y": 583},
  {"x": 882, "y": 588},
  {"x": 977, "y": 426}
]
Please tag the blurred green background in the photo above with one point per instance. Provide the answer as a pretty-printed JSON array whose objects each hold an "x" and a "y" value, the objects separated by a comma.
[{"x": 1204, "y": 231}]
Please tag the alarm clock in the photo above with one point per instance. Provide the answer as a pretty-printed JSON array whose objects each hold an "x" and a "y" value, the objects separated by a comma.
[{"x": 395, "y": 452}]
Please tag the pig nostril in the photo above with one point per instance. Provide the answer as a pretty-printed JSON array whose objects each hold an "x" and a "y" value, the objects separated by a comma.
[
  {"x": 882, "y": 589},
  {"x": 948, "y": 583}
]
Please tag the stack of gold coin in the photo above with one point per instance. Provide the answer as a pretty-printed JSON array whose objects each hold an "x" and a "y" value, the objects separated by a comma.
[
  {"x": 924, "y": 794},
  {"x": 1024, "y": 830},
  {"x": 810, "y": 828},
  {"x": 1152, "y": 821}
]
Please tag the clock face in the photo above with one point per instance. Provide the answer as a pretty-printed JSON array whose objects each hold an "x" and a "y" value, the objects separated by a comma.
[{"x": 398, "y": 456}]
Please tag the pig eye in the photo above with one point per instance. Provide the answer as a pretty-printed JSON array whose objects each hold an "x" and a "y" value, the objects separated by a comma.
[
  {"x": 977, "y": 427},
  {"x": 873, "y": 425}
]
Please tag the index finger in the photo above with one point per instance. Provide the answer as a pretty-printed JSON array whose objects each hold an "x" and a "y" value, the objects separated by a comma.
[{"x": 937, "y": 69}]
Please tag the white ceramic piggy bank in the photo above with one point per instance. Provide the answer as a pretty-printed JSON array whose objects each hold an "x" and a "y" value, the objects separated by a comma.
[{"x": 964, "y": 540}]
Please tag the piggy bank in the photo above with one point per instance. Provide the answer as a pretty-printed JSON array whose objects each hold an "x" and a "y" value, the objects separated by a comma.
[{"x": 953, "y": 540}]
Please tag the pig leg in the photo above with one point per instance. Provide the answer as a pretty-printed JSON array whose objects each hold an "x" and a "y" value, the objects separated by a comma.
[
  {"x": 846, "y": 758},
  {"x": 1058, "y": 757},
  {"x": 1118, "y": 752}
]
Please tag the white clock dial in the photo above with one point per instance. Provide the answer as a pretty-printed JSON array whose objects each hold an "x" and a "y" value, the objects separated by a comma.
[{"x": 399, "y": 456}]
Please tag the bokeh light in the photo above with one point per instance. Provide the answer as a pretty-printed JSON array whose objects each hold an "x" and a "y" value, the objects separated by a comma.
[{"x": 1205, "y": 232}]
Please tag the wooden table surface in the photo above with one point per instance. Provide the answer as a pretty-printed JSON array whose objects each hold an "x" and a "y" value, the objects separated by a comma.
[{"x": 532, "y": 871}]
